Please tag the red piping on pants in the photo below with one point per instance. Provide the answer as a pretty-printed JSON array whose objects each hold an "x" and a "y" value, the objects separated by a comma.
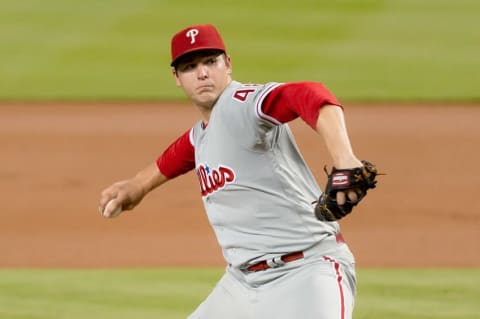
[{"x": 339, "y": 281}]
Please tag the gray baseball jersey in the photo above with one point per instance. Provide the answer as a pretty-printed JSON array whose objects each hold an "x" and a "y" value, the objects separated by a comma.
[
  {"x": 258, "y": 192},
  {"x": 256, "y": 188}
]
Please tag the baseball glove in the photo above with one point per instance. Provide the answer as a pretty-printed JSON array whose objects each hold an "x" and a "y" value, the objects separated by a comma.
[{"x": 358, "y": 180}]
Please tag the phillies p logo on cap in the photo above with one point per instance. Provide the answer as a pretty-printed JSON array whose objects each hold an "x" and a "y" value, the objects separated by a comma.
[
  {"x": 192, "y": 33},
  {"x": 195, "y": 38}
]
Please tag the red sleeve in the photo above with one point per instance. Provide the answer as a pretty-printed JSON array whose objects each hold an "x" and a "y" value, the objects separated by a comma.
[
  {"x": 178, "y": 158},
  {"x": 289, "y": 101}
]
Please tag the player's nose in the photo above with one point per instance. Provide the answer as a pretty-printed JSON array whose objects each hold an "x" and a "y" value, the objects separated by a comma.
[{"x": 202, "y": 72}]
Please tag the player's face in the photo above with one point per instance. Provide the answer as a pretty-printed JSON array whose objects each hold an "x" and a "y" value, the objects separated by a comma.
[{"x": 203, "y": 76}]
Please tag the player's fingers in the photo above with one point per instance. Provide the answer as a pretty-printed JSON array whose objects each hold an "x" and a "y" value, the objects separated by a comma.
[
  {"x": 105, "y": 211},
  {"x": 107, "y": 195},
  {"x": 113, "y": 208},
  {"x": 352, "y": 196},
  {"x": 111, "y": 192},
  {"x": 341, "y": 198},
  {"x": 104, "y": 199}
]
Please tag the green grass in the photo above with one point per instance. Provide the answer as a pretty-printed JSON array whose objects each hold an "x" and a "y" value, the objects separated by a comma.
[
  {"x": 174, "y": 293},
  {"x": 418, "y": 293},
  {"x": 362, "y": 49},
  {"x": 102, "y": 294}
]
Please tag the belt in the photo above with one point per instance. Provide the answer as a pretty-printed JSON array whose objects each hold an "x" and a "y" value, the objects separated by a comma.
[
  {"x": 276, "y": 262},
  {"x": 282, "y": 260}
]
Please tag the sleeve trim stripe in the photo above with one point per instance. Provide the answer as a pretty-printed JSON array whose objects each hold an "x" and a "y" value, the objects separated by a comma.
[
  {"x": 190, "y": 137},
  {"x": 258, "y": 106}
]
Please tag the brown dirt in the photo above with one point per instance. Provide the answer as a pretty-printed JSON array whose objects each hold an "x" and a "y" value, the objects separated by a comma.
[{"x": 55, "y": 160}]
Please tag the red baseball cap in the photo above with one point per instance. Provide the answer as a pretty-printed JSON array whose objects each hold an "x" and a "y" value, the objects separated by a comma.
[{"x": 195, "y": 38}]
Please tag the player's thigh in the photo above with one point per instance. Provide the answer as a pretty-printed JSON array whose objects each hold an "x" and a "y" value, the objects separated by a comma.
[
  {"x": 325, "y": 289},
  {"x": 227, "y": 300}
]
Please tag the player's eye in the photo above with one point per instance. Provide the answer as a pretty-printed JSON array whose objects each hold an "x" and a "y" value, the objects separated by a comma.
[
  {"x": 211, "y": 60},
  {"x": 187, "y": 67}
]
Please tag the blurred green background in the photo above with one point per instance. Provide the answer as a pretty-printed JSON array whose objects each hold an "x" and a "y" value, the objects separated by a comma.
[{"x": 362, "y": 50}]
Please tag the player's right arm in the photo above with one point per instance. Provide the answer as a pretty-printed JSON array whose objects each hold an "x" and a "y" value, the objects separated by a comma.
[
  {"x": 129, "y": 193},
  {"x": 177, "y": 159}
]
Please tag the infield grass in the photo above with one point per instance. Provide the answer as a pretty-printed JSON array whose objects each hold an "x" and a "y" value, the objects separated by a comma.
[
  {"x": 361, "y": 49},
  {"x": 174, "y": 293}
]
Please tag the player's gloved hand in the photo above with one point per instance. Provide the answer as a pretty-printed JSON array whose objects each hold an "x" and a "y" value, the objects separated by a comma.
[{"x": 353, "y": 182}]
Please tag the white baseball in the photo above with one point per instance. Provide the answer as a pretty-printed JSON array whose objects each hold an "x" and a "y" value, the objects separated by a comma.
[{"x": 108, "y": 207}]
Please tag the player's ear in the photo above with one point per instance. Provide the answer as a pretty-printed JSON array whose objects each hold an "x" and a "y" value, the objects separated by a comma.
[
  {"x": 228, "y": 64},
  {"x": 175, "y": 75}
]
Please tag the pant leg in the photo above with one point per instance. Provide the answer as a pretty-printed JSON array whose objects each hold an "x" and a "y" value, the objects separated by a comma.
[
  {"x": 324, "y": 289},
  {"x": 229, "y": 299}
]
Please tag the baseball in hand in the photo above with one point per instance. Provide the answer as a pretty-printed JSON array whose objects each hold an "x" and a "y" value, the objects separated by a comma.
[{"x": 109, "y": 208}]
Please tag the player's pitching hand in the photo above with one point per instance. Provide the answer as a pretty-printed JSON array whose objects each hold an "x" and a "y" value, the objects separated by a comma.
[{"x": 119, "y": 197}]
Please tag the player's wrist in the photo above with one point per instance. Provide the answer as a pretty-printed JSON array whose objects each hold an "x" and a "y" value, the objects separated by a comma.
[{"x": 347, "y": 161}]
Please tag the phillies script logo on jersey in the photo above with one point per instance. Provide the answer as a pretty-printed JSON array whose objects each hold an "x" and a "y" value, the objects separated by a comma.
[{"x": 213, "y": 179}]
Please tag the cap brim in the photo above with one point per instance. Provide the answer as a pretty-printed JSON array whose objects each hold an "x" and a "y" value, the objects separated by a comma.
[{"x": 174, "y": 62}]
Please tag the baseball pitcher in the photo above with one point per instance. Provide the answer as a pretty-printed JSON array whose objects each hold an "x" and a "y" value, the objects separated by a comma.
[{"x": 285, "y": 256}]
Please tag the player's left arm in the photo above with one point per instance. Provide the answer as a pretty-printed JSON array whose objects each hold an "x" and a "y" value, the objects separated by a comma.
[
  {"x": 320, "y": 109},
  {"x": 332, "y": 128}
]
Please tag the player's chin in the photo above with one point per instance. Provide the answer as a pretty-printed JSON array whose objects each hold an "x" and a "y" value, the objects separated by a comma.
[{"x": 206, "y": 99}]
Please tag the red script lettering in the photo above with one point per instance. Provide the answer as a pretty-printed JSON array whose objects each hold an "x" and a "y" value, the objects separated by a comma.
[{"x": 212, "y": 179}]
